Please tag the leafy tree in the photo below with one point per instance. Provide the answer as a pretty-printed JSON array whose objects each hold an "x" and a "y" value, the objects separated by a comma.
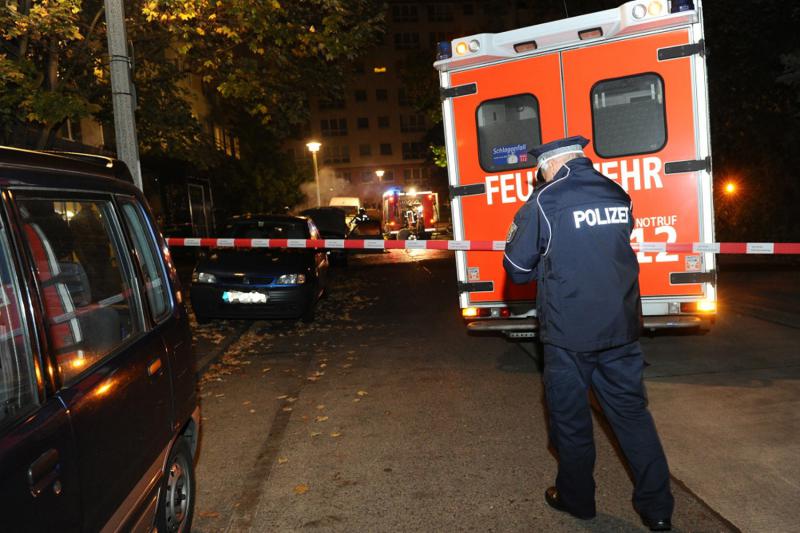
[
  {"x": 45, "y": 55},
  {"x": 266, "y": 58},
  {"x": 256, "y": 62}
]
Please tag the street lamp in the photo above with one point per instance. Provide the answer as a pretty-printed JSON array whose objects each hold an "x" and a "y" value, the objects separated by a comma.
[
  {"x": 313, "y": 147},
  {"x": 730, "y": 188},
  {"x": 380, "y": 173}
]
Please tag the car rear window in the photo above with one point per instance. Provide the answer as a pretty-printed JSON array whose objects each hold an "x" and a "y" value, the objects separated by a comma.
[{"x": 268, "y": 229}]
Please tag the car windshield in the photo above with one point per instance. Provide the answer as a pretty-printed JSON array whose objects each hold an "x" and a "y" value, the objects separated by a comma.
[{"x": 268, "y": 229}]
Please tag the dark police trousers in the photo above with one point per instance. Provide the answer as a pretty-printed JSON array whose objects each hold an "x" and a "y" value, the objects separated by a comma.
[{"x": 616, "y": 377}]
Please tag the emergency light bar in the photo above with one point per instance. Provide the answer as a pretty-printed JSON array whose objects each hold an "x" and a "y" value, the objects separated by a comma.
[{"x": 632, "y": 16}]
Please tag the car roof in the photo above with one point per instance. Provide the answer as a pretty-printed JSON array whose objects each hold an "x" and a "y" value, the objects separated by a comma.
[{"x": 20, "y": 167}]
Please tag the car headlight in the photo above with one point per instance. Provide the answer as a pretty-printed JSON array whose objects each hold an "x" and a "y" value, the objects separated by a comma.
[
  {"x": 203, "y": 277},
  {"x": 291, "y": 279}
]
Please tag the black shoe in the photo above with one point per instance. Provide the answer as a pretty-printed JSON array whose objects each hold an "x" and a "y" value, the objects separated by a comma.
[
  {"x": 663, "y": 524},
  {"x": 553, "y": 499}
]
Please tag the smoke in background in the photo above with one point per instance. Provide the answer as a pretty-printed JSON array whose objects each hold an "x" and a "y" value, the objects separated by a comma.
[{"x": 330, "y": 186}]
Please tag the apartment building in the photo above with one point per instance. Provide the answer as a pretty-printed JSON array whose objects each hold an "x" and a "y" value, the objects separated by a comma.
[{"x": 373, "y": 137}]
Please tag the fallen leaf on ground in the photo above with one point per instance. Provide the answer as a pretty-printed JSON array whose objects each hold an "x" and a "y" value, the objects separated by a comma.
[
  {"x": 282, "y": 397},
  {"x": 287, "y": 409},
  {"x": 302, "y": 488},
  {"x": 356, "y": 400},
  {"x": 282, "y": 460},
  {"x": 315, "y": 433},
  {"x": 335, "y": 434},
  {"x": 266, "y": 369},
  {"x": 362, "y": 393},
  {"x": 321, "y": 418},
  {"x": 346, "y": 365},
  {"x": 323, "y": 365},
  {"x": 321, "y": 406},
  {"x": 246, "y": 402},
  {"x": 208, "y": 514},
  {"x": 252, "y": 410},
  {"x": 291, "y": 399}
]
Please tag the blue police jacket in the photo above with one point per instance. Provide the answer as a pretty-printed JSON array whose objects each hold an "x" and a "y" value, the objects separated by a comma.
[{"x": 573, "y": 237}]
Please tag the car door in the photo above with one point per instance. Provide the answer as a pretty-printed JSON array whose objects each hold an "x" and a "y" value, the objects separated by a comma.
[
  {"x": 500, "y": 112},
  {"x": 166, "y": 315},
  {"x": 39, "y": 483},
  {"x": 111, "y": 371}
]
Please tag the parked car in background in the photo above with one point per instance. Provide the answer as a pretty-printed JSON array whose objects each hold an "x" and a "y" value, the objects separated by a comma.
[
  {"x": 331, "y": 223},
  {"x": 261, "y": 283},
  {"x": 99, "y": 418}
]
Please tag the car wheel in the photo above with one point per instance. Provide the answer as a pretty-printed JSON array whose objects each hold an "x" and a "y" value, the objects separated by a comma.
[
  {"x": 176, "y": 501},
  {"x": 403, "y": 234}
]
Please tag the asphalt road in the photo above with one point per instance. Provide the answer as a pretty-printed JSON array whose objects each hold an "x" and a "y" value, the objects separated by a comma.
[{"x": 384, "y": 415}]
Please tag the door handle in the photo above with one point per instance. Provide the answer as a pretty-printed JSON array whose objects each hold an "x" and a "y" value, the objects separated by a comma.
[
  {"x": 43, "y": 472},
  {"x": 154, "y": 366}
]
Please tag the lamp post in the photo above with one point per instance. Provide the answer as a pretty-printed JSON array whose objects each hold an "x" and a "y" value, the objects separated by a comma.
[
  {"x": 380, "y": 173},
  {"x": 313, "y": 147}
]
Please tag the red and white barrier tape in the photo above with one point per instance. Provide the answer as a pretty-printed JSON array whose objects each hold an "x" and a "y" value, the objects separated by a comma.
[{"x": 774, "y": 248}]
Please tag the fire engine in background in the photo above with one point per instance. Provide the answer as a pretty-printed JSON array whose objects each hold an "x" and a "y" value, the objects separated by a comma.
[
  {"x": 633, "y": 81},
  {"x": 410, "y": 214}
]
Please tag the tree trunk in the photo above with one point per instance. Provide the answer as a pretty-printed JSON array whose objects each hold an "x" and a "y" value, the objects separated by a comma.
[{"x": 47, "y": 135}]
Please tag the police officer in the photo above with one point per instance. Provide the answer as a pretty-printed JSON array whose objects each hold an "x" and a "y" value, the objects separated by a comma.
[{"x": 573, "y": 237}]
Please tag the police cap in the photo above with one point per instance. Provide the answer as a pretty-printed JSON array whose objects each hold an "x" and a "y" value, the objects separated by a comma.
[{"x": 546, "y": 151}]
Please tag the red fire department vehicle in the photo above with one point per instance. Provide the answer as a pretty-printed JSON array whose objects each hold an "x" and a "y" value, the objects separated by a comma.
[
  {"x": 630, "y": 79},
  {"x": 410, "y": 214}
]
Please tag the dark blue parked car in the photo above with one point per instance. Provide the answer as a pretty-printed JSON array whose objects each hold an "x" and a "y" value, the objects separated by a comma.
[
  {"x": 261, "y": 283},
  {"x": 98, "y": 406}
]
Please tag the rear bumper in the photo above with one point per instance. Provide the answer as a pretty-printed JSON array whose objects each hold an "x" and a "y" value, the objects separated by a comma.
[
  {"x": 527, "y": 327},
  {"x": 677, "y": 321}
]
